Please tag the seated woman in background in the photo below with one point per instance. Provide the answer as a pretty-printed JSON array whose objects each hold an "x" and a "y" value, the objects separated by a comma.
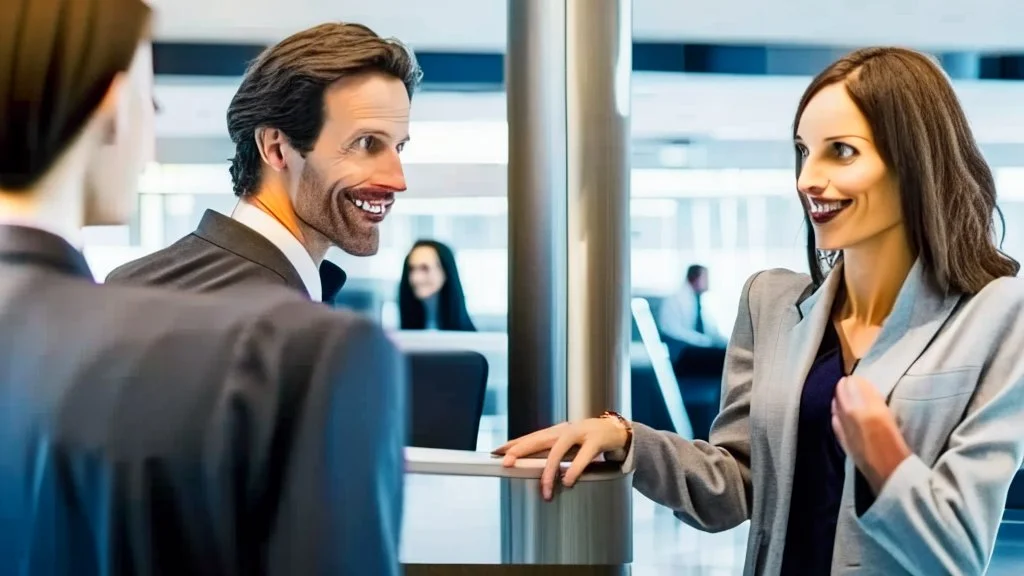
[{"x": 430, "y": 296}]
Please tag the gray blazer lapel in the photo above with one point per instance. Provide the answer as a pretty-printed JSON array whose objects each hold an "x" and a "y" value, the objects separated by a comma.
[
  {"x": 797, "y": 349},
  {"x": 919, "y": 313}
]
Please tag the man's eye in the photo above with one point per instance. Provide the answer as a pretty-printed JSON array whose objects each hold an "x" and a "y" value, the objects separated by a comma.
[{"x": 367, "y": 143}]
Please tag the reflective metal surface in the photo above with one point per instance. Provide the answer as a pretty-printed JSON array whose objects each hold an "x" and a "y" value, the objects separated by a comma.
[
  {"x": 535, "y": 80},
  {"x": 568, "y": 68},
  {"x": 598, "y": 64},
  {"x": 440, "y": 462},
  {"x": 587, "y": 524},
  {"x": 513, "y": 570}
]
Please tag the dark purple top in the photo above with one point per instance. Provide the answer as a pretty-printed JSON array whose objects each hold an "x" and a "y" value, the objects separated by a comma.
[{"x": 820, "y": 468}]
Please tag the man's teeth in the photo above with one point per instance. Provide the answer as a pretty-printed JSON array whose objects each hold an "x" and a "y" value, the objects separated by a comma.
[
  {"x": 818, "y": 207},
  {"x": 376, "y": 207}
]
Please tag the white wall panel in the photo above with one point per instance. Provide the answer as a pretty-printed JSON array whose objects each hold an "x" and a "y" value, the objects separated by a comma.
[
  {"x": 479, "y": 25},
  {"x": 696, "y": 106}
]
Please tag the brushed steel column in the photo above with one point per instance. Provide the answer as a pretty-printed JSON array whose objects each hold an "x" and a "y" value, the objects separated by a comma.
[
  {"x": 536, "y": 95},
  {"x": 599, "y": 63},
  {"x": 568, "y": 69}
]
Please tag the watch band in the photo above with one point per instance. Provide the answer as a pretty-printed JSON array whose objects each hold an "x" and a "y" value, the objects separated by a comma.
[{"x": 629, "y": 431}]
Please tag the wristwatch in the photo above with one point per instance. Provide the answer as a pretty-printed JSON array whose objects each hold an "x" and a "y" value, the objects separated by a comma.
[{"x": 621, "y": 454}]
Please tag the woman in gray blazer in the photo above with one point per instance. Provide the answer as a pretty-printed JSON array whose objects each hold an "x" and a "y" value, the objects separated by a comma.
[{"x": 871, "y": 413}]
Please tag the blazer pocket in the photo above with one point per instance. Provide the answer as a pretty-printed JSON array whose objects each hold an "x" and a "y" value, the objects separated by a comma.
[
  {"x": 924, "y": 387},
  {"x": 929, "y": 407}
]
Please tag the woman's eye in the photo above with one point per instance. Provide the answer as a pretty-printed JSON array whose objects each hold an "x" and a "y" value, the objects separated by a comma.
[
  {"x": 400, "y": 147},
  {"x": 844, "y": 151},
  {"x": 801, "y": 150}
]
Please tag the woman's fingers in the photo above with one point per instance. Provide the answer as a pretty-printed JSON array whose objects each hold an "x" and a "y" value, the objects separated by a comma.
[
  {"x": 588, "y": 451},
  {"x": 554, "y": 463},
  {"x": 529, "y": 444}
]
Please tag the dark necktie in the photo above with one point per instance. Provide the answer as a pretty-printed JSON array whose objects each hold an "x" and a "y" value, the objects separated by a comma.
[{"x": 699, "y": 325}]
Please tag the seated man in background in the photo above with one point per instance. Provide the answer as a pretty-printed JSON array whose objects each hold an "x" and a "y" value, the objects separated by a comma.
[
  {"x": 697, "y": 349},
  {"x": 682, "y": 315},
  {"x": 318, "y": 124},
  {"x": 145, "y": 431}
]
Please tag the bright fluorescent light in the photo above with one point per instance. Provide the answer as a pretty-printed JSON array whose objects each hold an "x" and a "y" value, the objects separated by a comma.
[
  {"x": 457, "y": 143},
  {"x": 1010, "y": 183}
]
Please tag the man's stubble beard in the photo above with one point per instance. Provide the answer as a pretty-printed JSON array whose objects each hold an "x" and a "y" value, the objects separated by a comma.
[{"x": 328, "y": 211}]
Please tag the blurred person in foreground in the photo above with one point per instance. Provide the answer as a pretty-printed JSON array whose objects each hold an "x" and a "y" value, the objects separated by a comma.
[
  {"x": 153, "y": 432},
  {"x": 318, "y": 124},
  {"x": 430, "y": 295},
  {"x": 871, "y": 413}
]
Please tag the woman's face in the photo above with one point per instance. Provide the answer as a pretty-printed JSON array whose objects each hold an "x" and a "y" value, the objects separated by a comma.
[
  {"x": 127, "y": 148},
  {"x": 849, "y": 193},
  {"x": 426, "y": 277}
]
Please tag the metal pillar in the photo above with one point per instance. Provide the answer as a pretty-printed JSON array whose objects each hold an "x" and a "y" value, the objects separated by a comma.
[
  {"x": 599, "y": 65},
  {"x": 584, "y": 531},
  {"x": 535, "y": 82},
  {"x": 568, "y": 69}
]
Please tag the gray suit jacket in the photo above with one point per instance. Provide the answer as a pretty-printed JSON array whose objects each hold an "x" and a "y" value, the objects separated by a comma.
[
  {"x": 952, "y": 369},
  {"x": 144, "y": 431},
  {"x": 222, "y": 254}
]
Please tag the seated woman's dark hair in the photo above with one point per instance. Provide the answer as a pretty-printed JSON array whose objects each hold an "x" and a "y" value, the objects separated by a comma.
[{"x": 451, "y": 310}]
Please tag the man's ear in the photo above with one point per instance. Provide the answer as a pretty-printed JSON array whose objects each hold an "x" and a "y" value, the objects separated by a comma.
[{"x": 271, "y": 143}]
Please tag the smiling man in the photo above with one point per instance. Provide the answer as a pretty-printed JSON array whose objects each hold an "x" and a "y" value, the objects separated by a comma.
[{"x": 318, "y": 124}]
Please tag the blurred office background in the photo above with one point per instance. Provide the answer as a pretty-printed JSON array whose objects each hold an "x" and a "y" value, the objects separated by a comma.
[{"x": 715, "y": 85}]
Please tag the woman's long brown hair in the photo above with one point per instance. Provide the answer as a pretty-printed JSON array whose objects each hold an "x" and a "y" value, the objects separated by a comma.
[{"x": 947, "y": 192}]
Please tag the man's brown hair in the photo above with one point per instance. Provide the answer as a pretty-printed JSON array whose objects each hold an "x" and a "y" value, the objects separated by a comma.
[
  {"x": 284, "y": 88},
  {"x": 947, "y": 192}
]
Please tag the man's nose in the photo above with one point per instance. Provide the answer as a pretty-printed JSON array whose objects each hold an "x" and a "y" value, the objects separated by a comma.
[{"x": 391, "y": 174}]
